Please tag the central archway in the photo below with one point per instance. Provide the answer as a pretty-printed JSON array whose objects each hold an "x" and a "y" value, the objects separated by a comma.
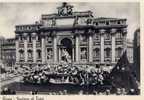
[{"x": 66, "y": 45}]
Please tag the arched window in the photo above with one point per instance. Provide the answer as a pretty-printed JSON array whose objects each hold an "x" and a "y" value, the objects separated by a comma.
[
  {"x": 38, "y": 54},
  {"x": 21, "y": 54},
  {"x": 96, "y": 52},
  {"x": 21, "y": 38},
  {"x": 119, "y": 51},
  {"x": 107, "y": 53},
  {"x": 49, "y": 39}
]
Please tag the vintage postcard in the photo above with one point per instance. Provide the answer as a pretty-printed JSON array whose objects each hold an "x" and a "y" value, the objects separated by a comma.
[{"x": 70, "y": 48}]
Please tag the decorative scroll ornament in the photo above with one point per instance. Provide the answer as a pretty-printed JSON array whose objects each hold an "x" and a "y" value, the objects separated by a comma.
[{"x": 65, "y": 10}]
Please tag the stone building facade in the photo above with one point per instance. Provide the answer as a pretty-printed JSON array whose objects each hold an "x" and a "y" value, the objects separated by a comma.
[
  {"x": 8, "y": 55},
  {"x": 136, "y": 53},
  {"x": 77, "y": 38},
  {"x": 2, "y": 39}
]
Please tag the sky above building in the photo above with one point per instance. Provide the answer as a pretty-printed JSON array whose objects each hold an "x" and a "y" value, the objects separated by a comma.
[{"x": 12, "y": 14}]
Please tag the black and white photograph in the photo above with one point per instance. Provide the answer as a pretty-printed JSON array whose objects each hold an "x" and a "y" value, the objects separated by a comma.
[{"x": 70, "y": 48}]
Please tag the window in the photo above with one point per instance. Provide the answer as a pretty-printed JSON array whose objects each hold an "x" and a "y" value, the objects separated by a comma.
[
  {"x": 118, "y": 22},
  {"x": 96, "y": 23},
  {"x": 107, "y": 36},
  {"x": 119, "y": 51},
  {"x": 107, "y": 53},
  {"x": 39, "y": 38},
  {"x": 29, "y": 38},
  {"x": 21, "y": 52},
  {"x": 107, "y": 23},
  {"x": 49, "y": 39},
  {"x": 39, "y": 54},
  {"x": 21, "y": 38},
  {"x": 119, "y": 35},
  {"x": 96, "y": 52}
]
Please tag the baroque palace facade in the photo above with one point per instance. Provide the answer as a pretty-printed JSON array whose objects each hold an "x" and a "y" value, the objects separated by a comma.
[{"x": 73, "y": 37}]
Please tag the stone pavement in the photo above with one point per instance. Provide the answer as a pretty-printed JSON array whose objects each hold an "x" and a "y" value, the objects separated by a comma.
[{"x": 11, "y": 80}]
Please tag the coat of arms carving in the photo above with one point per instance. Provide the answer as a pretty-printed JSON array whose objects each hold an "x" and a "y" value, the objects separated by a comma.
[{"x": 65, "y": 10}]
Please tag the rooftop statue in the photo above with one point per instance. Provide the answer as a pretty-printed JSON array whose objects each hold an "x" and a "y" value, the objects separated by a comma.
[{"x": 65, "y": 10}]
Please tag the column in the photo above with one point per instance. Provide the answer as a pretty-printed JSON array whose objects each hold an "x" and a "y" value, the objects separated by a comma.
[
  {"x": 77, "y": 48},
  {"x": 73, "y": 57},
  {"x": 113, "y": 32},
  {"x": 55, "y": 48},
  {"x": 34, "y": 47},
  {"x": 25, "y": 47},
  {"x": 124, "y": 32},
  {"x": 102, "y": 31},
  {"x": 17, "y": 49},
  {"x": 43, "y": 49},
  {"x": 90, "y": 49},
  {"x": 59, "y": 54}
]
